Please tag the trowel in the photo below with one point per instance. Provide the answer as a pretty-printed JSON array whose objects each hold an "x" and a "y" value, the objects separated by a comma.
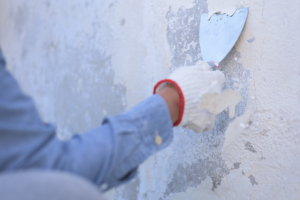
[{"x": 218, "y": 35}]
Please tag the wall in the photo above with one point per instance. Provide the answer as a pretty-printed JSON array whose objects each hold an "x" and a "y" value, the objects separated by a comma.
[{"x": 83, "y": 60}]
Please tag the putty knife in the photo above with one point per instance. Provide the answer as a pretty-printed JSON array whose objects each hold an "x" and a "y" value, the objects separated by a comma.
[{"x": 218, "y": 35}]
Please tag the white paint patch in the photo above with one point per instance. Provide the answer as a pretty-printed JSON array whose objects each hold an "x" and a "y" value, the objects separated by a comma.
[
  {"x": 235, "y": 128},
  {"x": 158, "y": 139},
  {"x": 216, "y": 103}
]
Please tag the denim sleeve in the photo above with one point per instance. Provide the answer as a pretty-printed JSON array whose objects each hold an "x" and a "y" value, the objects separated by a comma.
[{"x": 107, "y": 155}]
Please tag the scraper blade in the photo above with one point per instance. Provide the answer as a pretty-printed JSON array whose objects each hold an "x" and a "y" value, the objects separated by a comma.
[{"x": 218, "y": 35}]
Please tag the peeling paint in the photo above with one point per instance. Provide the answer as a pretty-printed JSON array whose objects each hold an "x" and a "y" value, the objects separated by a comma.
[
  {"x": 192, "y": 175},
  {"x": 67, "y": 58},
  {"x": 212, "y": 141}
]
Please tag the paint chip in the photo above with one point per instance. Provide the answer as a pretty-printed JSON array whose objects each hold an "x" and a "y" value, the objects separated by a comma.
[
  {"x": 158, "y": 139},
  {"x": 252, "y": 180},
  {"x": 122, "y": 22},
  {"x": 251, "y": 40},
  {"x": 249, "y": 147},
  {"x": 236, "y": 165}
]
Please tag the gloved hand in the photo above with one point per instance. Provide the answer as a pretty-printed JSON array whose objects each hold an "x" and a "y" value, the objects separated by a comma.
[{"x": 191, "y": 83}]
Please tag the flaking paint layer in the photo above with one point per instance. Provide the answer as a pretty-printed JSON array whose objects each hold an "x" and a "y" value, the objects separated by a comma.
[{"x": 124, "y": 48}]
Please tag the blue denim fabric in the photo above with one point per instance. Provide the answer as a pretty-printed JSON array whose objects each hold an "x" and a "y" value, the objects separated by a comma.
[{"x": 104, "y": 155}]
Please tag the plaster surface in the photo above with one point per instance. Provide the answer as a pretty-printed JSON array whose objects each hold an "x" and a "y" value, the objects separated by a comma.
[{"x": 83, "y": 60}]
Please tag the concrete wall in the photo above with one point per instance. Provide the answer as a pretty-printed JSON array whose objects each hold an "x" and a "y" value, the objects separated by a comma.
[{"x": 83, "y": 60}]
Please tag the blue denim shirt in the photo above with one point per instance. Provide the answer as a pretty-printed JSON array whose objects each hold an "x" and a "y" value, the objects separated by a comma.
[{"x": 107, "y": 155}]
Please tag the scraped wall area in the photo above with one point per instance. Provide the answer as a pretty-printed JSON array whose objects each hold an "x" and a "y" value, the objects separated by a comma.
[{"x": 83, "y": 60}]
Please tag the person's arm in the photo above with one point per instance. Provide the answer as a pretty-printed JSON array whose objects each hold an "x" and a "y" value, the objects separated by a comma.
[
  {"x": 109, "y": 154},
  {"x": 170, "y": 94}
]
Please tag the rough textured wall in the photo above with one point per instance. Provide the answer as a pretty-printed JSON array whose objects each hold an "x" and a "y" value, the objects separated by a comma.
[{"x": 82, "y": 60}]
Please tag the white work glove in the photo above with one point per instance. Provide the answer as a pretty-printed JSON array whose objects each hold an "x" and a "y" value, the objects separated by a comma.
[{"x": 192, "y": 82}]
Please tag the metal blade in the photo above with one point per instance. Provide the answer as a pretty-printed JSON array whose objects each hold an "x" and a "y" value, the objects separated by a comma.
[{"x": 219, "y": 34}]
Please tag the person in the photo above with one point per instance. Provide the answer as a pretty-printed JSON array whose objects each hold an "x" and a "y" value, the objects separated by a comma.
[{"x": 106, "y": 156}]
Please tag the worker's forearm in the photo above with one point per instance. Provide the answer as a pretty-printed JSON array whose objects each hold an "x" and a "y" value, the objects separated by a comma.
[
  {"x": 105, "y": 154},
  {"x": 171, "y": 96}
]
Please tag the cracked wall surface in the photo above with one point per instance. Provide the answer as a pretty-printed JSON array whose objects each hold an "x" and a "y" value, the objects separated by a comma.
[{"x": 83, "y": 60}]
